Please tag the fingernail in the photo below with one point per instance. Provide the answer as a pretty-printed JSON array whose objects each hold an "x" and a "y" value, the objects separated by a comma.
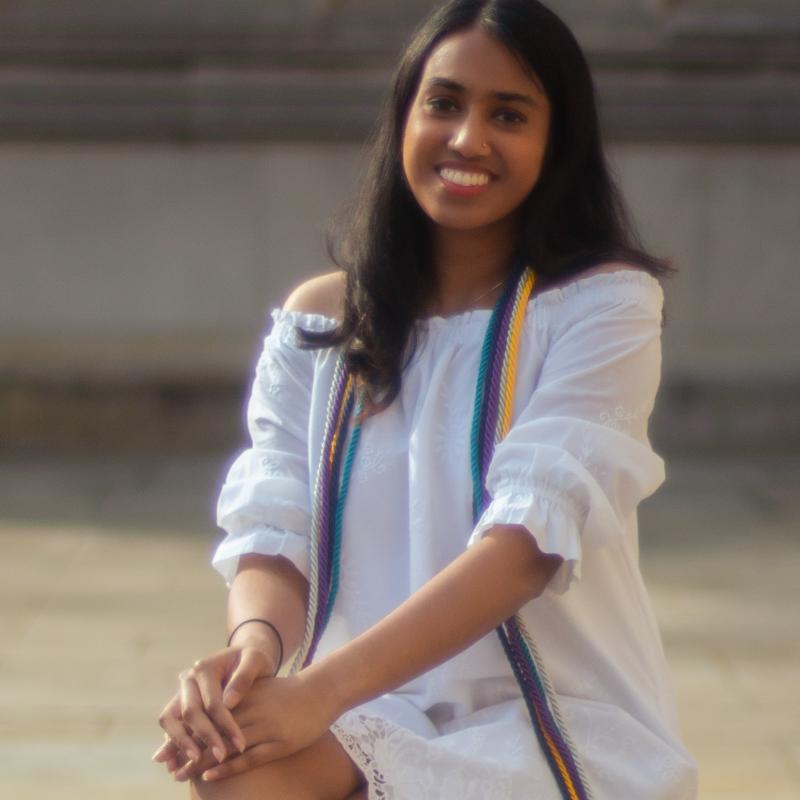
[
  {"x": 230, "y": 698},
  {"x": 219, "y": 754},
  {"x": 241, "y": 744},
  {"x": 208, "y": 775}
]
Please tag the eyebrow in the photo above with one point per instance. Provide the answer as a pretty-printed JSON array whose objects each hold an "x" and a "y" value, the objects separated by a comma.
[{"x": 504, "y": 97}]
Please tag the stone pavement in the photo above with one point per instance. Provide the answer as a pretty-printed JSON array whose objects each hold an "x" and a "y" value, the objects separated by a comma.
[{"x": 106, "y": 593}]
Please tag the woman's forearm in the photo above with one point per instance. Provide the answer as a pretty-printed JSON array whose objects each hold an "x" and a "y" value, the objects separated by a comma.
[
  {"x": 273, "y": 589},
  {"x": 475, "y": 593}
]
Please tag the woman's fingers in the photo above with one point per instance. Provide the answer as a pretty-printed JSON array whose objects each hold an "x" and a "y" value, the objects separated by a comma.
[
  {"x": 254, "y": 757},
  {"x": 186, "y": 770},
  {"x": 167, "y": 751},
  {"x": 211, "y": 694},
  {"x": 198, "y": 721},
  {"x": 193, "y": 714},
  {"x": 172, "y": 723},
  {"x": 252, "y": 664},
  {"x": 180, "y": 760}
]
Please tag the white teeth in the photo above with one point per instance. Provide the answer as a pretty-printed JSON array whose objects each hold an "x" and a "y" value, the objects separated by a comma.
[{"x": 464, "y": 178}]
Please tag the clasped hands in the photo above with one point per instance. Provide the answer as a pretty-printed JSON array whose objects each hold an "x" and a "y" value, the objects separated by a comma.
[{"x": 231, "y": 715}]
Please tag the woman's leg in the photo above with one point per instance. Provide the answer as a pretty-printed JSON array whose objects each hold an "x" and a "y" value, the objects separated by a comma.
[{"x": 320, "y": 772}]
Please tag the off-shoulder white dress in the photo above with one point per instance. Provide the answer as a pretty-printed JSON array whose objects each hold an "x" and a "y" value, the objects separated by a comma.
[{"x": 572, "y": 470}]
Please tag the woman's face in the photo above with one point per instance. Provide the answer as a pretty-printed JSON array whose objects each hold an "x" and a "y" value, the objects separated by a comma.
[{"x": 476, "y": 133}]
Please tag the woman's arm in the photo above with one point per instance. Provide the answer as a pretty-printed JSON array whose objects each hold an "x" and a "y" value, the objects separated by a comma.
[
  {"x": 265, "y": 587},
  {"x": 256, "y": 506},
  {"x": 273, "y": 589},
  {"x": 478, "y": 591}
]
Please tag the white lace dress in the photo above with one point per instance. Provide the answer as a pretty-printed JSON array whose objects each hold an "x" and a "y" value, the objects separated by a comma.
[{"x": 572, "y": 470}]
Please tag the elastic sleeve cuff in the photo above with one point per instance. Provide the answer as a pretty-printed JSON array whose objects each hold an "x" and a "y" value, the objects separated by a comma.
[
  {"x": 265, "y": 541},
  {"x": 553, "y": 523}
]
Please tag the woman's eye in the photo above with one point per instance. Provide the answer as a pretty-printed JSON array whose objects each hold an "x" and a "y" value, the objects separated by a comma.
[
  {"x": 441, "y": 104},
  {"x": 510, "y": 117}
]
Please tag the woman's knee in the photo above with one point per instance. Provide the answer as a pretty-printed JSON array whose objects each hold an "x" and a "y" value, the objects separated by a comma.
[
  {"x": 320, "y": 772},
  {"x": 261, "y": 783}
]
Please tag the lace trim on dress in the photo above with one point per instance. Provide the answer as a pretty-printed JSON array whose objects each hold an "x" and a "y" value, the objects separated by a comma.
[
  {"x": 361, "y": 749},
  {"x": 401, "y": 765}
]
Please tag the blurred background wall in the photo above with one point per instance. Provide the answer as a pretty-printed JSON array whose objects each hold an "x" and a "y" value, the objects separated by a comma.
[{"x": 167, "y": 169}]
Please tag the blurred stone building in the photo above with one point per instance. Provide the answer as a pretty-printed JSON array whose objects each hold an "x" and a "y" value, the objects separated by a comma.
[{"x": 167, "y": 168}]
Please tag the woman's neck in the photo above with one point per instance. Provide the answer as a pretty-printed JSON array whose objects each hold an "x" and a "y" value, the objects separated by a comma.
[{"x": 469, "y": 265}]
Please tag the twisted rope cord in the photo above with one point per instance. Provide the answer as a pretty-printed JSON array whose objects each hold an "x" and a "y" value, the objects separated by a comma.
[
  {"x": 335, "y": 398},
  {"x": 492, "y": 411},
  {"x": 480, "y": 443},
  {"x": 528, "y": 693},
  {"x": 327, "y": 463},
  {"x": 477, "y": 412},
  {"x": 504, "y": 313},
  {"x": 555, "y": 709},
  {"x": 345, "y": 485},
  {"x": 497, "y": 406},
  {"x": 494, "y": 388},
  {"x": 497, "y": 416},
  {"x": 329, "y": 565},
  {"x": 508, "y": 378},
  {"x": 562, "y": 757},
  {"x": 543, "y": 730}
]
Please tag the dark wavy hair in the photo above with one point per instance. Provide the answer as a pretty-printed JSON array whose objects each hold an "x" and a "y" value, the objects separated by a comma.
[{"x": 574, "y": 217}]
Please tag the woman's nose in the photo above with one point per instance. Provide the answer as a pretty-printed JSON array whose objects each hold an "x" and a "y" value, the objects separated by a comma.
[{"x": 470, "y": 138}]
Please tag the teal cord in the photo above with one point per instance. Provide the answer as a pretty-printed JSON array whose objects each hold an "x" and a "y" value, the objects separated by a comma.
[
  {"x": 339, "y": 516},
  {"x": 475, "y": 454}
]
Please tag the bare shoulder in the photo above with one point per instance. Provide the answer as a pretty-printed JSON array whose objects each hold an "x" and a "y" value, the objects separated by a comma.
[{"x": 322, "y": 294}]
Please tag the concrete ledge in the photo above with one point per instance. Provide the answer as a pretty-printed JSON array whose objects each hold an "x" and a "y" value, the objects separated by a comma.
[
  {"x": 185, "y": 416},
  {"x": 721, "y": 418},
  {"x": 179, "y": 417},
  {"x": 229, "y": 103},
  {"x": 250, "y": 74}
]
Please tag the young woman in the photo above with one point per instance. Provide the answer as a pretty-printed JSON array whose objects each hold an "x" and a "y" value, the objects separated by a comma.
[{"x": 438, "y": 511}]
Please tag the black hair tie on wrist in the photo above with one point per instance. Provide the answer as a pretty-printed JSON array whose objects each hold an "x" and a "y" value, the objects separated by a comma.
[{"x": 269, "y": 625}]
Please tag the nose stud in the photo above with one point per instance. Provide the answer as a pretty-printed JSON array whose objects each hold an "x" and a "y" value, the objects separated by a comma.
[{"x": 485, "y": 146}]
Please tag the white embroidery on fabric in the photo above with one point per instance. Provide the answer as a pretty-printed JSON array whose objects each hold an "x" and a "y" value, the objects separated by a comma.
[
  {"x": 351, "y": 593},
  {"x": 451, "y": 438},
  {"x": 271, "y": 466},
  {"x": 274, "y": 376},
  {"x": 594, "y": 737},
  {"x": 585, "y": 454},
  {"x": 623, "y": 419},
  {"x": 372, "y": 461}
]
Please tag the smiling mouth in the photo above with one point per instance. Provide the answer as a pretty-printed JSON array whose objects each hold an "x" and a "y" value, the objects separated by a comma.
[{"x": 463, "y": 178}]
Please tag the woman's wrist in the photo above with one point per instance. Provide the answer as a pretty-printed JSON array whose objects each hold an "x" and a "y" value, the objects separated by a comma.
[
  {"x": 326, "y": 679},
  {"x": 263, "y": 637}
]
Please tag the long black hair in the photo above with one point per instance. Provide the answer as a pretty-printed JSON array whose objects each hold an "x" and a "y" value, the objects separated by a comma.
[{"x": 573, "y": 218}]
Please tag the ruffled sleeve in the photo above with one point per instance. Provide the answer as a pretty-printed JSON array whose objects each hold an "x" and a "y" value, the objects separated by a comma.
[
  {"x": 577, "y": 460},
  {"x": 265, "y": 503}
]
